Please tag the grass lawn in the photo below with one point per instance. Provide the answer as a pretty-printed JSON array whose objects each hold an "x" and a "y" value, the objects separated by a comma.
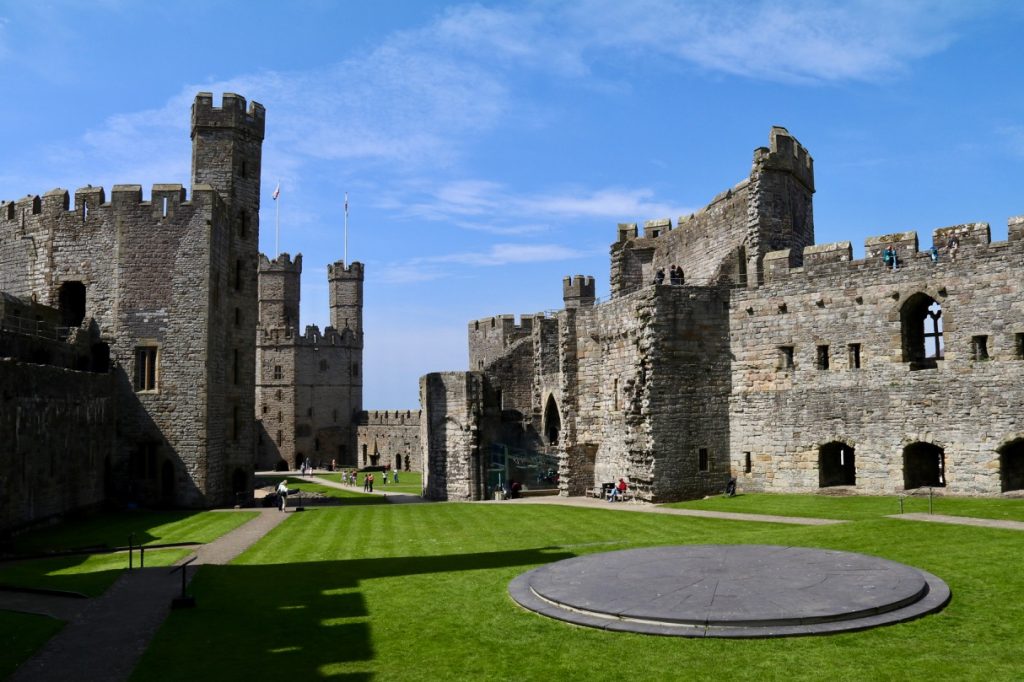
[
  {"x": 90, "y": 574},
  {"x": 414, "y": 592},
  {"x": 856, "y": 507},
  {"x": 22, "y": 634},
  {"x": 409, "y": 482},
  {"x": 109, "y": 529},
  {"x": 347, "y": 497}
]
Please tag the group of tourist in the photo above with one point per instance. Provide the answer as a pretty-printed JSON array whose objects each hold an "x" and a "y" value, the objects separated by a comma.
[
  {"x": 675, "y": 276},
  {"x": 890, "y": 257},
  {"x": 352, "y": 478}
]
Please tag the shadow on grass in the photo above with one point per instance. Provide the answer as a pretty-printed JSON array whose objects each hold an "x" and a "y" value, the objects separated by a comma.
[{"x": 296, "y": 620}]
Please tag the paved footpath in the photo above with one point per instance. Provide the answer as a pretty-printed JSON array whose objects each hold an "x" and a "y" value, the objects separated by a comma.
[
  {"x": 106, "y": 636},
  {"x": 962, "y": 521},
  {"x": 593, "y": 503}
]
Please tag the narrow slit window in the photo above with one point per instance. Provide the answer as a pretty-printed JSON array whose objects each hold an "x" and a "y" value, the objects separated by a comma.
[
  {"x": 1018, "y": 345},
  {"x": 822, "y": 357},
  {"x": 702, "y": 459},
  {"x": 979, "y": 348},
  {"x": 146, "y": 368},
  {"x": 164, "y": 207},
  {"x": 853, "y": 351},
  {"x": 746, "y": 463}
]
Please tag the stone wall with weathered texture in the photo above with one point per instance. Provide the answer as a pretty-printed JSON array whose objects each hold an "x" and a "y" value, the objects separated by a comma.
[
  {"x": 308, "y": 386},
  {"x": 452, "y": 404},
  {"x": 787, "y": 364},
  {"x": 967, "y": 405},
  {"x": 389, "y": 438},
  {"x": 175, "y": 274},
  {"x": 58, "y": 430}
]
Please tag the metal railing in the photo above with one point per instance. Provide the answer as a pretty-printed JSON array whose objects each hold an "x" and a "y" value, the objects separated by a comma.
[{"x": 37, "y": 328}]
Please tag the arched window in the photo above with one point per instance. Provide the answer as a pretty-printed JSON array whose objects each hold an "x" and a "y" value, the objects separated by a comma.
[
  {"x": 836, "y": 465},
  {"x": 921, "y": 331},
  {"x": 552, "y": 422},
  {"x": 924, "y": 465}
]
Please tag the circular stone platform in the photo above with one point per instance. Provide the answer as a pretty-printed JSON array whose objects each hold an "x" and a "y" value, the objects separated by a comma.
[{"x": 730, "y": 591}]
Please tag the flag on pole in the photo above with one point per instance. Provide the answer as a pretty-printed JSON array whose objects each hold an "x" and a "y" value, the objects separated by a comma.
[{"x": 277, "y": 191}]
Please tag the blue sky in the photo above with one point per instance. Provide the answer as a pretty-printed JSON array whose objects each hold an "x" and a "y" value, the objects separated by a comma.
[{"x": 489, "y": 149}]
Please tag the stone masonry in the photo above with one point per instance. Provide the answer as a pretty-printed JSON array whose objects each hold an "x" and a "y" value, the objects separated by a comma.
[
  {"x": 788, "y": 365},
  {"x": 166, "y": 287}
]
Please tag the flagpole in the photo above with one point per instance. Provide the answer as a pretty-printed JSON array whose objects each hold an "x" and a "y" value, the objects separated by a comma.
[
  {"x": 277, "y": 220},
  {"x": 346, "y": 229}
]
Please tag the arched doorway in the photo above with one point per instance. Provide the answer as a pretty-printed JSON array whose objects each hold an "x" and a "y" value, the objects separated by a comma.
[
  {"x": 836, "y": 465},
  {"x": 239, "y": 482},
  {"x": 1011, "y": 465},
  {"x": 71, "y": 301},
  {"x": 552, "y": 422},
  {"x": 921, "y": 331},
  {"x": 924, "y": 465}
]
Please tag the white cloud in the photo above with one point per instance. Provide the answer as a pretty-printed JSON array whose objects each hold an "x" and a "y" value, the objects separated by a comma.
[{"x": 428, "y": 268}]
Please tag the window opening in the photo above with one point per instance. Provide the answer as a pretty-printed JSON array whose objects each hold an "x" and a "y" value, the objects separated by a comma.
[
  {"x": 836, "y": 465},
  {"x": 785, "y": 357},
  {"x": 822, "y": 357},
  {"x": 164, "y": 208},
  {"x": 615, "y": 394},
  {"x": 702, "y": 459},
  {"x": 853, "y": 350},
  {"x": 238, "y": 274},
  {"x": 279, "y": 439},
  {"x": 922, "y": 332},
  {"x": 238, "y": 317},
  {"x": 85, "y": 211},
  {"x": 746, "y": 463},
  {"x": 146, "y": 368},
  {"x": 1019, "y": 346},
  {"x": 278, "y": 374},
  {"x": 979, "y": 348}
]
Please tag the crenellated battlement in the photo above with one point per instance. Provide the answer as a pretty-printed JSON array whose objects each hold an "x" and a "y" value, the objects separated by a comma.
[
  {"x": 341, "y": 270},
  {"x": 970, "y": 240},
  {"x": 91, "y": 206},
  {"x": 578, "y": 292},
  {"x": 505, "y": 325},
  {"x": 785, "y": 153},
  {"x": 282, "y": 263},
  {"x": 389, "y": 418},
  {"x": 232, "y": 113}
]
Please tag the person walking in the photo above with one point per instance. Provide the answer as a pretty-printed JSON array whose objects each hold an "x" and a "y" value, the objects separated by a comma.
[{"x": 282, "y": 494}]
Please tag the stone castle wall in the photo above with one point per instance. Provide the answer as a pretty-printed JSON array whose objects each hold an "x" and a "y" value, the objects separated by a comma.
[
  {"x": 783, "y": 415},
  {"x": 58, "y": 428},
  {"x": 452, "y": 405},
  {"x": 175, "y": 274},
  {"x": 389, "y": 438},
  {"x": 786, "y": 364}
]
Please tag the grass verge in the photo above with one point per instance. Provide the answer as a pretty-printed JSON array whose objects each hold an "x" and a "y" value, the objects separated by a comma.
[
  {"x": 856, "y": 507},
  {"x": 110, "y": 529},
  {"x": 90, "y": 575},
  {"x": 23, "y": 634}
]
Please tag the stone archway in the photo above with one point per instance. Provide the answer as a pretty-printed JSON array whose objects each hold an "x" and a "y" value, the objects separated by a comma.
[
  {"x": 552, "y": 422},
  {"x": 836, "y": 465},
  {"x": 924, "y": 465}
]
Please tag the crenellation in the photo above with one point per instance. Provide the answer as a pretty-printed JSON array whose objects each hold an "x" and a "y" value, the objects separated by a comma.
[
  {"x": 790, "y": 366},
  {"x": 655, "y": 228}
]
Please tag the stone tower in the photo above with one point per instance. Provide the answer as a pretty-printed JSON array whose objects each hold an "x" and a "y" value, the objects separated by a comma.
[
  {"x": 227, "y": 146},
  {"x": 346, "y": 297},
  {"x": 279, "y": 295}
]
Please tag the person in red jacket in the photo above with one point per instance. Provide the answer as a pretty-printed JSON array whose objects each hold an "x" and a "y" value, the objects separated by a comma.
[{"x": 618, "y": 491}]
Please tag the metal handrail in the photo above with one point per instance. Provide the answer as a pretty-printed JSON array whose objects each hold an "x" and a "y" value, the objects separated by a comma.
[{"x": 38, "y": 328}]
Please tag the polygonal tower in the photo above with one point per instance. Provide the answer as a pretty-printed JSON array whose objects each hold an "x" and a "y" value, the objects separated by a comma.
[{"x": 227, "y": 144}]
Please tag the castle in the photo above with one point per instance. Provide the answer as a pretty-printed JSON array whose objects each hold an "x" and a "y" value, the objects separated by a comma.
[
  {"x": 127, "y": 333},
  {"x": 309, "y": 386},
  {"x": 787, "y": 365}
]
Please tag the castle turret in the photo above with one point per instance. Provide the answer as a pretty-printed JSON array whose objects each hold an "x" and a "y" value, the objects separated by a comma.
[
  {"x": 578, "y": 292},
  {"x": 346, "y": 296},
  {"x": 279, "y": 287}
]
